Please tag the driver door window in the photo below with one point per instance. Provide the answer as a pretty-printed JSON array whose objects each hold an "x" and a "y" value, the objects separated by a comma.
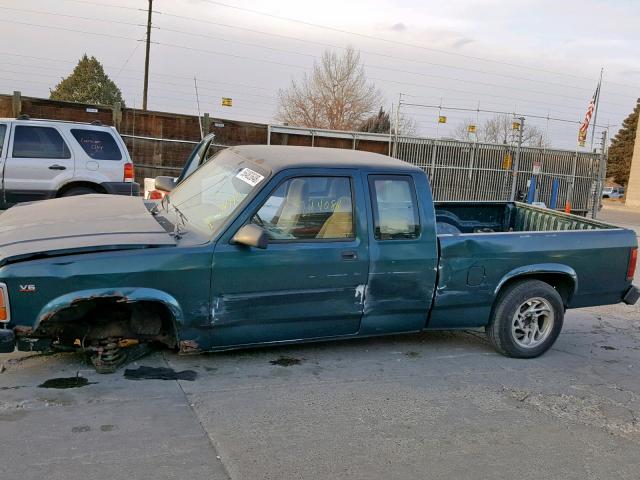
[{"x": 309, "y": 208}]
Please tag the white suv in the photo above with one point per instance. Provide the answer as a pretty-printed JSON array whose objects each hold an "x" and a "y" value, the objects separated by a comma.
[{"x": 41, "y": 159}]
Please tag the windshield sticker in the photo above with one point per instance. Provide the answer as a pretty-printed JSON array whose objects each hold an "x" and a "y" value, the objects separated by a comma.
[{"x": 249, "y": 176}]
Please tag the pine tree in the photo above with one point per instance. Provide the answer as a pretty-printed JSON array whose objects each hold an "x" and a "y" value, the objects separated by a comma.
[
  {"x": 88, "y": 83},
  {"x": 379, "y": 123},
  {"x": 621, "y": 149}
]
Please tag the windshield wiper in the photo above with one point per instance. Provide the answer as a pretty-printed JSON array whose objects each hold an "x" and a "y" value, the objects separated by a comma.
[{"x": 181, "y": 222}]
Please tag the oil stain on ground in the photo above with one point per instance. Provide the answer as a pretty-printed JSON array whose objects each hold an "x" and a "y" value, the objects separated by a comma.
[
  {"x": 160, "y": 373},
  {"x": 286, "y": 361},
  {"x": 70, "y": 382}
]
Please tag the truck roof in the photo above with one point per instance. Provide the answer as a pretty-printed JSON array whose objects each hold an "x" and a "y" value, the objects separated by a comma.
[
  {"x": 279, "y": 157},
  {"x": 27, "y": 121}
]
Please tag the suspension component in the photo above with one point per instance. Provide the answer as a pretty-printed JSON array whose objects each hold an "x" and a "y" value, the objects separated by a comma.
[{"x": 107, "y": 355}]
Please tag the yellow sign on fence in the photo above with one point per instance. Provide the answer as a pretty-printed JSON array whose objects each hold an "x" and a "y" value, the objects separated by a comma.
[
  {"x": 227, "y": 102},
  {"x": 506, "y": 161},
  {"x": 442, "y": 119},
  {"x": 471, "y": 129},
  {"x": 515, "y": 126}
]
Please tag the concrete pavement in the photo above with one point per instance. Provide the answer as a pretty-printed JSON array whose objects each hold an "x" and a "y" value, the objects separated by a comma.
[{"x": 438, "y": 405}]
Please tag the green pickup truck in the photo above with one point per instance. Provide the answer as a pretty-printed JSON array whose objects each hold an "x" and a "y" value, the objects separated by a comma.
[{"x": 268, "y": 245}]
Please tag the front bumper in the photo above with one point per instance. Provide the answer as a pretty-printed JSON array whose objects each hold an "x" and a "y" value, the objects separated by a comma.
[
  {"x": 631, "y": 296},
  {"x": 7, "y": 340},
  {"x": 122, "y": 188}
]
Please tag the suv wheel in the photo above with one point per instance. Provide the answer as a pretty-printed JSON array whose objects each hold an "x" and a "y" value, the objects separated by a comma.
[
  {"x": 72, "y": 192},
  {"x": 527, "y": 319}
]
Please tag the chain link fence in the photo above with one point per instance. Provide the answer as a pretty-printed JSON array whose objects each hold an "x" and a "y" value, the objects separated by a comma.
[{"x": 476, "y": 171}]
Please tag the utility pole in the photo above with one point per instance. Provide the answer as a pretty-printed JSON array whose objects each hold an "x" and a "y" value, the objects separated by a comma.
[
  {"x": 516, "y": 163},
  {"x": 146, "y": 58}
]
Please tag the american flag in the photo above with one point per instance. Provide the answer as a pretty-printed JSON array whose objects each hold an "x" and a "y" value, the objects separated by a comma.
[{"x": 582, "y": 133}]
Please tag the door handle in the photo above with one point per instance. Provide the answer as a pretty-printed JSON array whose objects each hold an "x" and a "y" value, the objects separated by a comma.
[
  {"x": 349, "y": 255},
  {"x": 57, "y": 167}
]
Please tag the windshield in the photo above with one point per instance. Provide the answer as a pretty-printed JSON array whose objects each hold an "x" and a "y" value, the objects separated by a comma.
[{"x": 212, "y": 193}]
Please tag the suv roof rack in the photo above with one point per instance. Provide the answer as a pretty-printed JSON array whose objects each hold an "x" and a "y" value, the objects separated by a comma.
[
  {"x": 97, "y": 123},
  {"x": 23, "y": 117}
]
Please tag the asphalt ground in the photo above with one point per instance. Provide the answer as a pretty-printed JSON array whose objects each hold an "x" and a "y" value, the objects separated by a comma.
[{"x": 430, "y": 406}]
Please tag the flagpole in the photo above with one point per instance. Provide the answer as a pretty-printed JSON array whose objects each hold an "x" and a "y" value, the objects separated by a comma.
[{"x": 595, "y": 113}]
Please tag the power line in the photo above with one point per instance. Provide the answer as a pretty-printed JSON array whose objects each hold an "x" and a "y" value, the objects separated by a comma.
[
  {"x": 39, "y": 68},
  {"x": 93, "y": 19},
  {"x": 421, "y": 85},
  {"x": 241, "y": 57},
  {"x": 500, "y": 104},
  {"x": 369, "y": 52},
  {"x": 129, "y": 85},
  {"x": 220, "y": 39},
  {"x": 149, "y": 26},
  {"x": 119, "y": 37},
  {"x": 381, "y": 67},
  {"x": 515, "y": 114},
  {"x": 396, "y": 42},
  {"x": 297, "y": 66},
  {"x": 73, "y": 62},
  {"x": 98, "y": 4},
  {"x": 370, "y": 37},
  {"x": 467, "y": 92}
]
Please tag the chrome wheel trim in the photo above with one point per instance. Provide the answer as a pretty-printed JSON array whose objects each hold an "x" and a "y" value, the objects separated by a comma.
[{"x": 532, "y": 322}]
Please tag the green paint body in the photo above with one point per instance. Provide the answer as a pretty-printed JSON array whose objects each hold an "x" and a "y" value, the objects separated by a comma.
[{"x": 225, "y": 296}]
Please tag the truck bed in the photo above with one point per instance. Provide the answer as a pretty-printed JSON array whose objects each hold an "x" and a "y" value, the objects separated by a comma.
[
  {"x": 487, "y": 217},
  {"x": 484, "y": 244}
]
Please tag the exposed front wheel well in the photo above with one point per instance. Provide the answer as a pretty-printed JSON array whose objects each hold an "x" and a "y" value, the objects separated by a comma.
[
  {"x": 95, "y": 319},
  {"x": 97, "y": 188}
]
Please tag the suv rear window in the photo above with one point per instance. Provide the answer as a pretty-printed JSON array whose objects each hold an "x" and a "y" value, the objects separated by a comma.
[
  {"x": 39, "y": 142},
  {"x": 98, "y": 145}
]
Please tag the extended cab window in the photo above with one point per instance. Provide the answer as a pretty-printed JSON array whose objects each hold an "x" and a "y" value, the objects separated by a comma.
[
  {"x": 309, "y": 208},
  {"x": 395, "y": 208},
  {"x": 98, "y": 145},
  {"x": 39, "y": 142}
]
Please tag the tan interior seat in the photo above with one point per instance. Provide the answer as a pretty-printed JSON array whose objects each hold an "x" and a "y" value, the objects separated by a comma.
[
  {"x": 293, "y": 205},
  {"x": 340, "y": 223}
]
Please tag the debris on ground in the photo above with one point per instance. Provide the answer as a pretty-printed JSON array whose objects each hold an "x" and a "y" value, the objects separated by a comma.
[
  {"x": 159, "y": 373},
  {"x": 285, "y": 361}
]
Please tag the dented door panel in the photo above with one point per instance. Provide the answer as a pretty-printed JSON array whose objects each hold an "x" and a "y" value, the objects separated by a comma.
[
  {"x": 291, "y": 290},
  {"x": 402, "y": 272}
]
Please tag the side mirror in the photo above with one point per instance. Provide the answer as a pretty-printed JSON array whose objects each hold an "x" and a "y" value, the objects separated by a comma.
[
  {"x": 252, "y": 236},
  {"x": 165, "y": 184}
]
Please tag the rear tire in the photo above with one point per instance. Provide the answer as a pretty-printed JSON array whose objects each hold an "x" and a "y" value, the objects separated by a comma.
[
  {"x": 72, "y": 192},
  {"x": 527, "y": 319}
]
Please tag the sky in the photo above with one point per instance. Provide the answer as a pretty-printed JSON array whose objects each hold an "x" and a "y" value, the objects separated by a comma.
[{"x": 539, "y": 58}]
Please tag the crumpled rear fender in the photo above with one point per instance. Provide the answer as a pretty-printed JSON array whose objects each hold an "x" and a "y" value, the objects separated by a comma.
[{"x": 537, "y": 269}]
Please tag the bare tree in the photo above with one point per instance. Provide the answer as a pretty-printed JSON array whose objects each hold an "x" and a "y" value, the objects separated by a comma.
[
  {"x": 499, "y": 129},
  {"x": 336, "y": 95}
]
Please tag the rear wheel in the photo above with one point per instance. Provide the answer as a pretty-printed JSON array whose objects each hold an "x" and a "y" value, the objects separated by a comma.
[
  {"x": 527, "y": 319},
  {"x": 72, "y": 192}
]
